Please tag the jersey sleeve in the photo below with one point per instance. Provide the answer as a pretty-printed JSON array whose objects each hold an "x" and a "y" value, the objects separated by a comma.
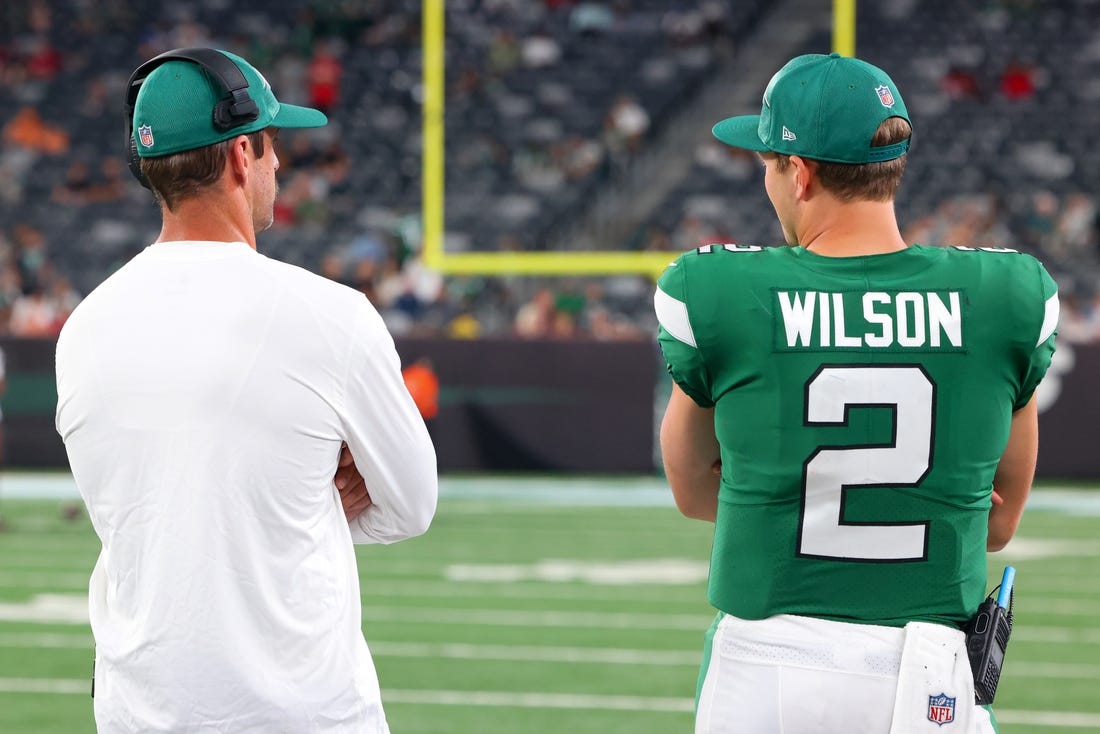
[
  {"x": 677, "y": 338},
  {"x": 387, "y": 438},
  {"x": 1039, "y": 359}
]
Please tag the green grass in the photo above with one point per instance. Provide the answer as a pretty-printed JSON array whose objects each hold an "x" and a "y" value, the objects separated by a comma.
[{"x": 550, "y": 645}]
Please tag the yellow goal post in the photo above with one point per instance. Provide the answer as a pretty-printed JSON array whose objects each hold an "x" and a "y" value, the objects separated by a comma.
[{"x": 545, "y": 263}]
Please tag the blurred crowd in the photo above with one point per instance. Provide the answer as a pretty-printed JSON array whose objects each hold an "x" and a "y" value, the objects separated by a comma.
[{"x": 69, "y": 212}]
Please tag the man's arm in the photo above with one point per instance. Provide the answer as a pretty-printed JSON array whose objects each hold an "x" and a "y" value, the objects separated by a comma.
[
  {"x": 690, "y": 452},
  {"x": 388, "y": 442},
  {"x": 1015, "y": 471}
]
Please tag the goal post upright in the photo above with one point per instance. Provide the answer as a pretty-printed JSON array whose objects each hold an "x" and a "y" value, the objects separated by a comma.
[{"x": 544, "y": 263}]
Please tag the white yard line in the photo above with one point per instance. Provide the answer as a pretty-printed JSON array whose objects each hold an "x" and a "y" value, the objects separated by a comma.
[
  {"x": 39, "y": 640},
  {"x": 522, "y": 618},
  {"x": 544, "y": 654},
  {"x": 46, "y": 685},
  {"x": 569, "y": 701},
  {"x": 539, "y": 700},
  {"x": 1056, "y": 719},
  {"x": 537, "y": 653}
]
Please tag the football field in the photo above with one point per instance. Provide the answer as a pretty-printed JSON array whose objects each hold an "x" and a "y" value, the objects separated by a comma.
[{"x": 569, "y": 606}]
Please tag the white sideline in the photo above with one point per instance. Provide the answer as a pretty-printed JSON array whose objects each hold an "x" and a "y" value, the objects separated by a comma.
[{"x": 635, "y": 491}]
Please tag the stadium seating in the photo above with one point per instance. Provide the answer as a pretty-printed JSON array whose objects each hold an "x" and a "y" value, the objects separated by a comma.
[{"x": 547, "y": 106}]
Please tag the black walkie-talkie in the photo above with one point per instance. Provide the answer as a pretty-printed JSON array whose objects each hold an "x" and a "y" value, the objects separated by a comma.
[{"x": 987, "y": 635}]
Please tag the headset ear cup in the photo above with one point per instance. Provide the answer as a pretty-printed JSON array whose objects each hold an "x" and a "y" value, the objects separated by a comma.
[
  {"x": 239, "y": 110},
  {"x": 223, "y": 118}
]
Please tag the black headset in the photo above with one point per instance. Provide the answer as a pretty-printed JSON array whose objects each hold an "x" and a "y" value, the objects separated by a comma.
[{"x": 235, "y": 107}]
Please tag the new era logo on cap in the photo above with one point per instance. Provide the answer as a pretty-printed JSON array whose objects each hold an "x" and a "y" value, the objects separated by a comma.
[{"x": 788, "y": 135}]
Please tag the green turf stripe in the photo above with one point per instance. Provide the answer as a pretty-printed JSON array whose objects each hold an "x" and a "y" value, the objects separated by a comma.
[{"x": 512, "y": 618}]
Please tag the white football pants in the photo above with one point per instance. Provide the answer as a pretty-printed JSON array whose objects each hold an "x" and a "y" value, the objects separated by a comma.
[{"x": 800, "y": 675}]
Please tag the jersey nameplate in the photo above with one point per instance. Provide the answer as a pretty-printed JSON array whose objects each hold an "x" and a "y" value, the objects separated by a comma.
[{"x": 887, "y": 320}]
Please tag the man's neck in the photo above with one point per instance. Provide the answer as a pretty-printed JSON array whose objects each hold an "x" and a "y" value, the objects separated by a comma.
[
  {"x": 208, "y": 217},
  {"x": 848, "y": 229}
]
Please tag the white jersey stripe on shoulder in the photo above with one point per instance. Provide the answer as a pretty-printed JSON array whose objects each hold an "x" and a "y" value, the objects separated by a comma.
[
  {"x": 1050, "y": 319},
  {"x": 673, "y": 315}
]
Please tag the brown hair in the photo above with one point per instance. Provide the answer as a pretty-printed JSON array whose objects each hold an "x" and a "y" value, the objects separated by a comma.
[
  {"x": 868, "y": 181},
  {"x": 181, "y": 175}
]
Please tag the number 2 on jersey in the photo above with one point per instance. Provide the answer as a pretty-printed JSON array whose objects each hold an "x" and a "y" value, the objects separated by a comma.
[{"x": 831, "y": 470}]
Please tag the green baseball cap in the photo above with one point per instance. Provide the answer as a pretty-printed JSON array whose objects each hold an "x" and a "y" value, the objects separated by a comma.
[
  {"x": 826, "y": 108},
  {"x": 173, "y": 111}
]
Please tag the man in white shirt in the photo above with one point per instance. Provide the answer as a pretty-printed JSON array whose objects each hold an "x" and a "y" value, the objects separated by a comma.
[{"x": 205, "y": 393}]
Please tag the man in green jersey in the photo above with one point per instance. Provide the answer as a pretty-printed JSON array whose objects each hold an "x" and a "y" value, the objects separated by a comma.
[{"x": 843, "y": 410}]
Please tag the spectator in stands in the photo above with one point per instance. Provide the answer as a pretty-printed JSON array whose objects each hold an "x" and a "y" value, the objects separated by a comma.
[
  {"x": 625, "y": 127},
  {"x": 564, "y": 325},
  {"x": 96, "y": 98},
  {"x": 693, "y": 231},
  {"x": 324, "y": 74},
  {"x": 11, "y": 289},
  {"x": 30, "y": 256},
  {"x": 76, "y": 188},
  {"x": 34, "y": 315},
  {"x": 1079, "y": 319},
  {"x": 539, "y": 51},
  {"x": 1018, "y": 81},
  {"x": 43, "y": 60},
  {"x": 1074, "y": 239},
  {"x": 961, "y": 83},
  {"x": 28, "y": 130},
  {"x": 63, "y": 297},
  {"x": 504, "y": 56},
  {"x": 536, "y": 318},
  {"x": 591, "y": 18},
  {"x": 111, "y": 184},
  {"x": 579, "y": 157},
  {"x": 1040, "y": 219}
]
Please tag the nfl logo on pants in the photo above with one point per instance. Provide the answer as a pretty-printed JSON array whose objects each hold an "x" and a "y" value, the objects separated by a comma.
[{"x": 941, "y": 709}]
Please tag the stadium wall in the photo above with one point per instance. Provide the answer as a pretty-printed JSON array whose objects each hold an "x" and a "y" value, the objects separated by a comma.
[
  {"x": 505, "y": 405},
  {"x": 548, "y": 406}
]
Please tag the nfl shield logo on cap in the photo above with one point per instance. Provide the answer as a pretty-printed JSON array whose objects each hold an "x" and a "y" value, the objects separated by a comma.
[
  {"x": 885, "y": 96},
  {"x": 145, "y": 135},
  {"x": 941, "y": 709}
]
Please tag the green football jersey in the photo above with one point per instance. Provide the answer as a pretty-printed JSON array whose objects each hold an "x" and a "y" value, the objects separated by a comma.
[{"x": 861, "y": 405}]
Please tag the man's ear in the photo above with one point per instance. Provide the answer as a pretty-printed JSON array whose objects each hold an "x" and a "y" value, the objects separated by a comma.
[
  {"x": 239, "y": 157},
  {"x": 805, "y": 176}
]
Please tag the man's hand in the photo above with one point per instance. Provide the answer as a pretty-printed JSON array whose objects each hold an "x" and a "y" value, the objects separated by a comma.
[{"x": 353, "y": 490}]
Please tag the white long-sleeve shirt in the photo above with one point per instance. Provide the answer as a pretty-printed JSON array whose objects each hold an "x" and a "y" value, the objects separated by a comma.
[{"x": 203, "y": 394}]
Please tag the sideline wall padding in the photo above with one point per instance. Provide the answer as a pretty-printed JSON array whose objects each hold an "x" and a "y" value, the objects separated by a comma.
[{"x": 505, "y": 405}]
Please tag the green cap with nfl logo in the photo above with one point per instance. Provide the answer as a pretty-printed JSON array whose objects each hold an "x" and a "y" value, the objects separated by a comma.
[
  {"x": 826, "y": 108},
  {"x": 173, "y": 111}
]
